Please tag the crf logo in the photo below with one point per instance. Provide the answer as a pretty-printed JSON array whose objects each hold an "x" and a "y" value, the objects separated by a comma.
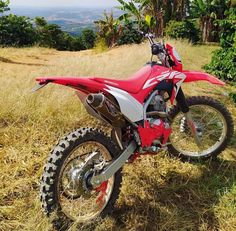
[{"x": 180, "y": 77}]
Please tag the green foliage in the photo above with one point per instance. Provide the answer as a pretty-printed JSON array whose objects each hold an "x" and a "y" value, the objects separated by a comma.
[
  {"x": 129, "y": 35},
  {"x": 109, "y": 28},
  {"x": 88, "y": 38},
  {"x": 40, "y": 22},
  {"x": 77, "y": 44},
  {"x": 4, "y": 5},
  {"x": 184, "y": 30},
  {"x": 19, "y": 31},
  {"x": 232, "y": 95},
  {"x": 223, "y": 63},
  {"x": 208, "y": 12},
  {"x": 16, "y": 31},
  {"x": 51, "y": 35},
  {"x": 100, "y": 45},
  {"x": 131, "y": 10},
  {"x": 228, "y": 29}
]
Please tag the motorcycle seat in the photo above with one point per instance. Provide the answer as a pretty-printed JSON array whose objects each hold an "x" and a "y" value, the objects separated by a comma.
[{"x": 133, "y": 84}]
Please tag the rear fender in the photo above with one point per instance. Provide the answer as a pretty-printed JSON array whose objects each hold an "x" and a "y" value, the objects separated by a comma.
[
  {"x": 192, "y": 76},
  {"x": 84, "y": 84}
]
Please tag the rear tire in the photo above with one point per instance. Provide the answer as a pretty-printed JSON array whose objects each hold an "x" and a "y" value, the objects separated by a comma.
[
  {"x": 216, "y": 106},
  {"x": 51, "y": 179}
]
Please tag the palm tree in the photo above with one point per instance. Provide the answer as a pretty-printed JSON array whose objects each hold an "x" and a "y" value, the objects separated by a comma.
[
  {"x": 141, "y": 12},
  {"x": 162, "y": 11},
  {"x": 131, "y": 10},
  {"x": 4, "y": 5},
  {"x": 155, "y": 9},
  {"x": 109, "y": 29},
  {"x": 208, "y": 11}
]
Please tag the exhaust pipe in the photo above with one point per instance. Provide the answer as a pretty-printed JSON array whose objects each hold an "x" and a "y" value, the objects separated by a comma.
[
  {"x": 106, "y": 109},
  {"x": 96, "y": 100}
]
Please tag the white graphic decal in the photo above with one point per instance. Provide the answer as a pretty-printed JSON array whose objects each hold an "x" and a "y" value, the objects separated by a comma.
[
  {"x": 155, "y": 80},
  {"x": 129, "y": 106},
  {"x": 165, "y": 75}
]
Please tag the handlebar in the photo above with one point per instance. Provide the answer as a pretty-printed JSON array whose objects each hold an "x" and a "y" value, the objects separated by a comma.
[
  {"x": 158, "y": 48},
  {"x": 149, "y": 36}
]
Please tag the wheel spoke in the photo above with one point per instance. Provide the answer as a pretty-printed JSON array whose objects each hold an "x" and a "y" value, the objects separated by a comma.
[{"x": 206, "y": 120}]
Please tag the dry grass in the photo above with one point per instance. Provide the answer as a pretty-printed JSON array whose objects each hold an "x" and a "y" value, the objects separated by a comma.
[{"x": 158, "y": 193}]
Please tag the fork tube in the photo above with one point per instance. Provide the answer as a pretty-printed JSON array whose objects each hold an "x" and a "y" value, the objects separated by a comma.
[
  {"x": 182, "y": 103},
  {"x": 181, "y": 100}
]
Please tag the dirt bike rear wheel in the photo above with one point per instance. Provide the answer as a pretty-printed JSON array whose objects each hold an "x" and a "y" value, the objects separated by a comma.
[
  {"x": 64, "y": 191},
  {"x": 214, "y": 126}
]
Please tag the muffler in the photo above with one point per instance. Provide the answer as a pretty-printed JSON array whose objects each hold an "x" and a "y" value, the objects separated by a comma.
[
  {"x": 96, "y": 100},
  {"x": 106, "y": 109}
]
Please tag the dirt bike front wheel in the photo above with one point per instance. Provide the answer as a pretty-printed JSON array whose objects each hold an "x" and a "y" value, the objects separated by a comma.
[
  {"x": 64, "y": 188},
  {"x": 214, "y": 127}
]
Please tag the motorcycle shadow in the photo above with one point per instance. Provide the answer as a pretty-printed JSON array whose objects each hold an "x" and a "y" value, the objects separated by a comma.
[{"x": 180, "y": 201}]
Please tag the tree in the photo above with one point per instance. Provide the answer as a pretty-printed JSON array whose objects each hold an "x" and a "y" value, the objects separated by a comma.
[
  {"x": 131, "y": 10},
  {"x": 4, "y": 5},
  {"x": 49, "y": 35},
  {"x": 182, "y": 29},
  {"x": 223, "y": 63},
  {"x": 155, "y": 9},
  {"x": 208, "y": 11},
  {"x": 156, "y": 13},
  {"x": 129, "y": 35},
  {"x": 109, "y": 29},
  {"x": 16, "y": 31},
  {"x": 135, "y": 12},
  {"x": 77, "y": 44},
  {"x": 40, "y": 22},
  {"x": 88, "y": 38}
]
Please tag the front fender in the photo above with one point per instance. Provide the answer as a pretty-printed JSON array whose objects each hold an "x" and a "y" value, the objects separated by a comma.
[{"x": 192, "y": 76}]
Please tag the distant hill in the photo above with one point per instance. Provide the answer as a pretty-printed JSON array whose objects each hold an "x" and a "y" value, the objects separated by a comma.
[{"x": 72, "y": 20}]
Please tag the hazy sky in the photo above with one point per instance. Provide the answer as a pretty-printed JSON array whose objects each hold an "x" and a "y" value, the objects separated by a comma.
[{"x": 69, "y": 3}]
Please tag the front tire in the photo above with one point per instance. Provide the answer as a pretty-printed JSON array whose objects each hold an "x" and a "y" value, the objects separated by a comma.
[
  {"x": 213, "y": 123},
  {"x": 62, "y": 189}
]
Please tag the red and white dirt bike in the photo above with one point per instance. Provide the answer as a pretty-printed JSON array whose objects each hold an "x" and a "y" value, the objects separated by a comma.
[{"x": 82, "y": 178}]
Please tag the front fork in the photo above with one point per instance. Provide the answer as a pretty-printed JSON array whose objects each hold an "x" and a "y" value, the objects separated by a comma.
[{"x": 184, "y": 107}]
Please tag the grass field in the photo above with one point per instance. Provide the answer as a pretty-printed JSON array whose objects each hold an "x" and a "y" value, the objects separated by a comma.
[{"x": 158, "y": 193}]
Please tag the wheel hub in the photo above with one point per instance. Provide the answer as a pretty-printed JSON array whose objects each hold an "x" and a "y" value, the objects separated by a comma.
[
  {"x": 79, "y": 174},
  {"x": 77, "y": 178}
]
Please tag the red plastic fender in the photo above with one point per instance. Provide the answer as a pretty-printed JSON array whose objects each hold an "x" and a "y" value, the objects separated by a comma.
[{"x": 192, "y": 76}]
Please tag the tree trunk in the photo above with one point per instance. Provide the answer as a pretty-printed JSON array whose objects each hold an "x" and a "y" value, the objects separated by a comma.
[
  {"x": 158, "y": 15},
  {"x": 206, "y": 28}
]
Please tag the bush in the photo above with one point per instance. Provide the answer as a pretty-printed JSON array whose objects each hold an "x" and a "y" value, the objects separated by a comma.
[
  {"x": 184, "y": 30},
  {"x": 129, "y": 35},
  {"x": 228, "y": 29},
  {"x": 51, "y": 35},
  {"x": 232, "y": 95},
  {"x": 88, "y": 38},
  {"x": 100, "y": 45},
  {"x": 16, "y": 31},
  {"x": 223, "y": 64}
]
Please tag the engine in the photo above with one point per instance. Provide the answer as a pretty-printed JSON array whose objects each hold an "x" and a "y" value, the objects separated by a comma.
[
  {"x": 158, "y": 103},
  {"x": 156, "y": 130}
]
